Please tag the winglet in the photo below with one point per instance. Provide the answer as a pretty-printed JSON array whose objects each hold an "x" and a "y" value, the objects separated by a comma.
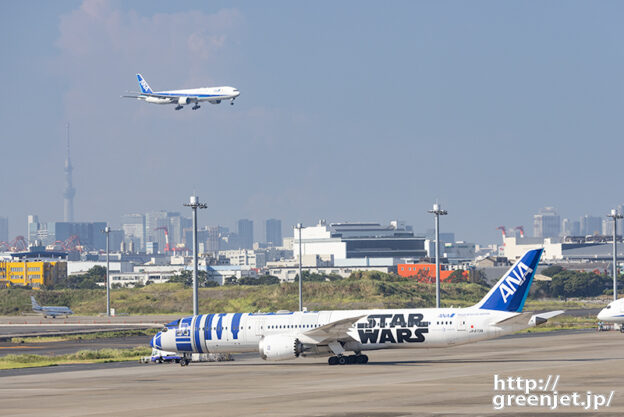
[{"x": 145, "y": 88}]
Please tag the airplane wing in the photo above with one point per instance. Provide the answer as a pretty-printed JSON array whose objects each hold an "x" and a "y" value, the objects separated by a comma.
[
  {"x": 331, "y": 332},
  {"x": 520, "y": 318}
]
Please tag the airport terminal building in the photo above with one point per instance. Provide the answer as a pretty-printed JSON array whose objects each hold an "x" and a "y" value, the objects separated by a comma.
[{"x": 359, "y": 240}]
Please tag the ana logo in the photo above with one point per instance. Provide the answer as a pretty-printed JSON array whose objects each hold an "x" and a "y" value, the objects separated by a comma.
[
  {"x": 144, "y": 85},
  {"x": 515, "y": 279},
  {"x": 446, "y": 316}
]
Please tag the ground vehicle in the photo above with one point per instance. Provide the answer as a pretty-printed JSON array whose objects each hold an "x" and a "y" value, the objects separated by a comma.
[{"x": 160, "y": 356}]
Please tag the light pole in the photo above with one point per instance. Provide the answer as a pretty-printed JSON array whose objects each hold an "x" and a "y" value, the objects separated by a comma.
[
  {"x": 615, "y": 216},
  {"x": 299, "y": 226},
  {"x": 107, "y": 231},
  {"x": 437, "y": 211},
  {"x": 195, "y": 204}
]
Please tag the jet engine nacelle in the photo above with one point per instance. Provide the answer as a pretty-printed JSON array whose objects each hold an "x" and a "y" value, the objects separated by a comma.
[
  {"x": 183, "y": 101},
  {"x": 279, "y": 347},
  {"x": 157, "y": 100}
]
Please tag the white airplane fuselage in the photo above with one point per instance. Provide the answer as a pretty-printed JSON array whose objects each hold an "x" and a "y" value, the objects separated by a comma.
[
  {"x": 193, "y": 95},
  {"x": 376, "y": 329},
  {"x": 613, "y": 313}
]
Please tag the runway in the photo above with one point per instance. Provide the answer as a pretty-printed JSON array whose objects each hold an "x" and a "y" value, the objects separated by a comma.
[{"x": 454, "y": 381}]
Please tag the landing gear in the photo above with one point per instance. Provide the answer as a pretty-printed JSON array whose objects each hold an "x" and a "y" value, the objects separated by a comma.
[
  {"x": 232, "y": 102},
  {"x": 184, "y": 361},
  {"x": 348, "y": 360},
  {"x": 195, "y": 107},
  {"x": 178, "y": 107}
]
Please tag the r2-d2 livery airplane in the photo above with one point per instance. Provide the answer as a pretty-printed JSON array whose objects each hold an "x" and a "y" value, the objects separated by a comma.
[
  {"x": 613, "y": 313},
  {"x": 49, "y": 310},
  {"x": 287, "y": 335},
  {"x": 193, "y": 96}
]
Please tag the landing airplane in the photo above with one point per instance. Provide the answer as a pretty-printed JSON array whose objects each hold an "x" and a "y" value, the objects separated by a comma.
[
  {"x": 287, "y": 335},
  {"x": 50, "y": 311},
  {"x": 194, "y": 96},
  {"x": 613, "y": 313}
]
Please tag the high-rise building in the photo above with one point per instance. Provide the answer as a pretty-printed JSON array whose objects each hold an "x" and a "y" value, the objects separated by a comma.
[
  {"x": 89, "y": 234},
  {"x": 245, "y": 233},
  {"x": 274, "y": 232},
  {"x": 546, "y": 223},
  {"x": 4, "y": 229},
  {"x": 133, "y": 226},
  {"x": 570, "y": 227},
  {"x": 591, "y": 225},
  {"x": 70, "y": 191}
]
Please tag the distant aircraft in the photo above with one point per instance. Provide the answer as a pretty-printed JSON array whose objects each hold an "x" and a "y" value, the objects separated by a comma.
[
  {"x": 50, "y": 311},
  {"x": 288, "y": 335},
  {"x": 193, "y": 96},
  {"x": 613, "y": 313}
]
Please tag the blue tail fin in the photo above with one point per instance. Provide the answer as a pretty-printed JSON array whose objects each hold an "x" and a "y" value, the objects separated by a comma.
[
  {"x": 34, "y": 303},
  {"x": 145, "y": 88},
  {"x": 512, "y": 289}
]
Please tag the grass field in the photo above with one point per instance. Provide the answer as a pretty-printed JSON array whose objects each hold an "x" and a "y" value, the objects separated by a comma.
[{"x": 83, "y": 356}]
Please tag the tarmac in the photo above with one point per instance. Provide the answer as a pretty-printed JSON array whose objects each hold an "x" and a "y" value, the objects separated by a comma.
[{"x": 457, "y": 381}]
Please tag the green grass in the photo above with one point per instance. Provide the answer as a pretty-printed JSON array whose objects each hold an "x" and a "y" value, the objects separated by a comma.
[
  {"x": 85, "y": 336},
  {"x": 83, "y": 356},
  {"x": 366, "y": 292}
]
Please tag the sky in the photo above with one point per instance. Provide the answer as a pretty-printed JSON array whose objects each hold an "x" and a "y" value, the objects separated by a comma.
[{"x": 349, "y": 111}]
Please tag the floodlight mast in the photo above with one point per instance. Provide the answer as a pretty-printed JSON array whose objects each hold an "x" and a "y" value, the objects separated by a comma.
[
  {"x": 437, "y": 212},
  {"x": 195, "y": 204},
  {"x": 615, "y": 216},
  {"x": 300, "y": 226},
  {"x": 107, "y": 231}
]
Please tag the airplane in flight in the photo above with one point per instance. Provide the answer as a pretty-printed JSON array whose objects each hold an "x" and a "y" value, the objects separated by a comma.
[
  {"x": 613, "y": 313},
  {"x": 49, "y": 310},
  {"x": 287, "y": 335},
  {"x": 181, "y": 98}
]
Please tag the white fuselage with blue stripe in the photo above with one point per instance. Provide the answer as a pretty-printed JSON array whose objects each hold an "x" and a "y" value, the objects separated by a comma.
[{"x": 613, "y": 313}]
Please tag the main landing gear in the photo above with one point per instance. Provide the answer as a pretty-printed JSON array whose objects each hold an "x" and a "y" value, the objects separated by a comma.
[
  {"x": 195, "y": 107},
  {"x": 178, "y": 107},
  {"x": 184, "y": 361},
  {"x": 348, "y": 360}
]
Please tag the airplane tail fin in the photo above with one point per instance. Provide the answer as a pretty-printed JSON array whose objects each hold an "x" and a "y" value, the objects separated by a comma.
[
  {"x": 145, "y": 88},
  {"x": 510, "y": 292},
  {"x": 35, "y": 305}
]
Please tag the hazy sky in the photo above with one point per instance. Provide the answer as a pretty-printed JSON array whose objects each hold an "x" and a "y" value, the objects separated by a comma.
[{"x": 353, "y": 110}]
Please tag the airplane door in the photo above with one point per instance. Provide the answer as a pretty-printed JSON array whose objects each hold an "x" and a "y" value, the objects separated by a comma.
[{"x": 460, "y": 324}]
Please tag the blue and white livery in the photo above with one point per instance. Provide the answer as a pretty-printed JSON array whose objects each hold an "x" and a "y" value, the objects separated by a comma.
[
  {"x": 287, "y": 335},
  {"x": 181, "y": 98}
]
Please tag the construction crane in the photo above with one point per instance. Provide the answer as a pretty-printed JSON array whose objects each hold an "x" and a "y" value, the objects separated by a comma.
[
  {"x": 72, "y": 244},
  {"x": 521, "y": 229},
  {"x": 164, "y": 228},
  {"x": 503, "y": 231}
]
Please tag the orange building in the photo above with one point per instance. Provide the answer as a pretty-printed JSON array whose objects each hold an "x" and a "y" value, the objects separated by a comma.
[{"x": 424, "y": 272}]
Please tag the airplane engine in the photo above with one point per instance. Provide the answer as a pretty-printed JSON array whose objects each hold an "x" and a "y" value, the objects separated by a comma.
[
  {"x": 279, "y": 347},
  {"x": 183, "y": 100},
  {"x": 216, "y": 102}
]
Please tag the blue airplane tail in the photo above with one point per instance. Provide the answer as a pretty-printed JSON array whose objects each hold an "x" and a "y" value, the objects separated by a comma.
[
  {"x": 510, "y": 292},
  {"x": 145, "y": 88},
  {"x": 34, "y": 303}
]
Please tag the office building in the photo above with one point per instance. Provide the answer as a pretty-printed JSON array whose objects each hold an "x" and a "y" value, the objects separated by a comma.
[
  {"x": 133, "y": 226},
  {"x": 4, "y": 229},
  {"x": 591, "y": 225},
  {"x": 245, "y": 234},
  {"x": 274, "y": 232},
  {"x": 546, "y": 223}
]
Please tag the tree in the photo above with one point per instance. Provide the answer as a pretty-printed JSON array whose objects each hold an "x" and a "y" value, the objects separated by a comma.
[
  {"x": 457, "y": 276},
  {"x": 552, "y": 270}
]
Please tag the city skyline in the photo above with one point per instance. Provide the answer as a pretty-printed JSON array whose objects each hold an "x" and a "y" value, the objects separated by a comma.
[{"x": 495, "y": 111}]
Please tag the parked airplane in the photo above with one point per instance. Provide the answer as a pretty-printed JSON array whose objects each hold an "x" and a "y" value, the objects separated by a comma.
[
  {"x": 288, "y": 335},
  {"x": 613, "y": 313},
  {"x": 50, "y": 311},
  {"x": 194, "y": 96}
]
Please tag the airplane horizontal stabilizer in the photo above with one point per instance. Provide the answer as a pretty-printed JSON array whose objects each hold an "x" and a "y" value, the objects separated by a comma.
[{"x": 541, "y": 318}]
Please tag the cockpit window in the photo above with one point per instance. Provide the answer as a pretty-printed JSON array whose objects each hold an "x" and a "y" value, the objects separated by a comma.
[{"x": 609, "y": 306}]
